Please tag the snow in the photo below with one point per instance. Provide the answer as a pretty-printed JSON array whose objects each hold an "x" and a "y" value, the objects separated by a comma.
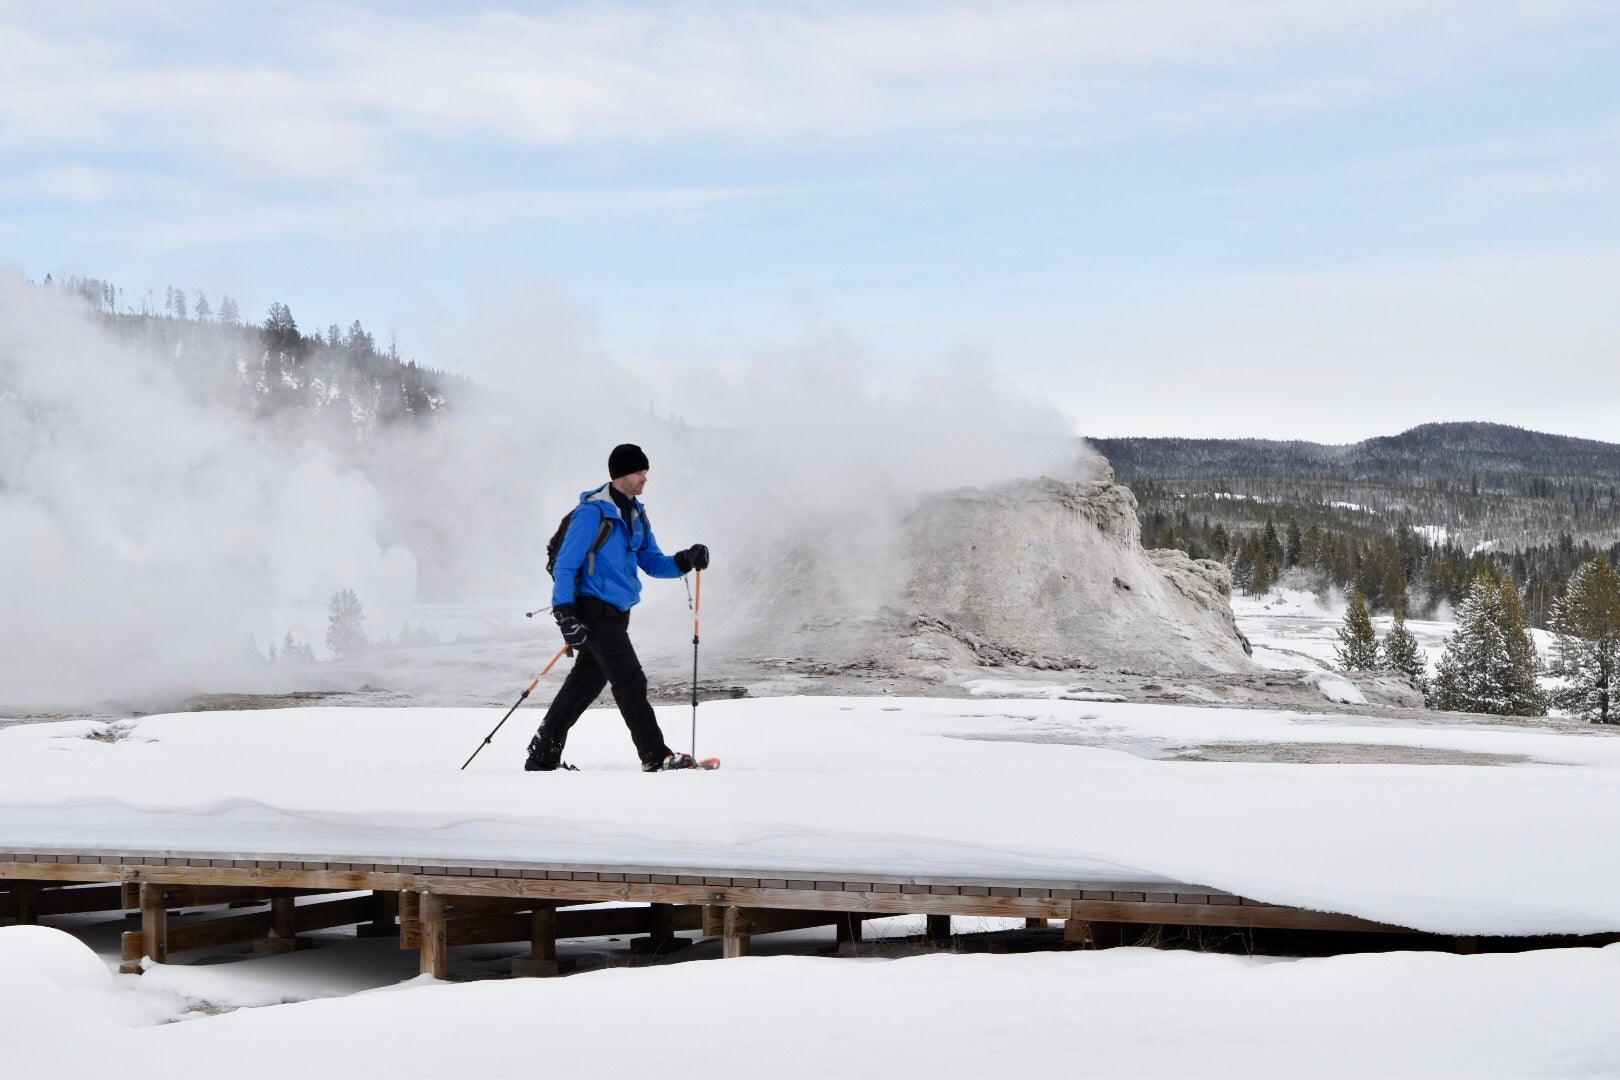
[
  {"x": 1336, "y": 688},
  {"x": 1048, "y": 777},
  {"x": 1296, "y": 630},
  {"x": 1025, "y": 780},
  {"x": 1115, "y": 1013}
]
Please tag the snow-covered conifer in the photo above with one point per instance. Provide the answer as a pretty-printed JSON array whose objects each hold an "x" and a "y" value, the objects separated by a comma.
[
  {"x": 1586, "y": 645},
  {"x": 1358, "y": 645},
  {"x": 1403, "y": 654},
  {"x": 1490, "y": 665}
]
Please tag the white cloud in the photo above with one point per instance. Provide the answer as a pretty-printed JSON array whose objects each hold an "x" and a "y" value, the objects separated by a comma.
[{"x": 332, "y": 91}]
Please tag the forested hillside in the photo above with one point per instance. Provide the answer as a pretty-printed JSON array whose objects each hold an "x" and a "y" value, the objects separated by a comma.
[
  {"x": 1476, "y": 483},
  {"x": 337, "y": 383},
  {"x": 1409, "y": 519}
]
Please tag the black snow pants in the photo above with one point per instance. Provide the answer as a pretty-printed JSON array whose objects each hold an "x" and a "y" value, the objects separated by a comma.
[{"x": 606, "y": 659}]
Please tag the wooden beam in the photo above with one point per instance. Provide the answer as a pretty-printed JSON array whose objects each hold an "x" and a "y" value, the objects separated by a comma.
[
  {"x": 253, "y": 926},
  {"x": 191, "y": 896},
  {"x": 79, "y": 899},
  {"x": 1239, "y": 916},
  {"x": 347, "y": 911},
  {"x": 1009, "y": 901},
  {"x": 488, "y": 929},
  {"x": 487, "y": 905},
  {"x": 217, "y": 933},
  {"x": 382, "y": 920},
  {"x": 872, "y": 903}
]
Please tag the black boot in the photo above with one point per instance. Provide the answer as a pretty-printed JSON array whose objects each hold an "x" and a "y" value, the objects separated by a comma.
[{"x": 545, "y": 757}]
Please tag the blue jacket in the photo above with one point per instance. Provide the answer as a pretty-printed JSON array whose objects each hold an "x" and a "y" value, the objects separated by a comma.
[{"x": 609, "y": 574}]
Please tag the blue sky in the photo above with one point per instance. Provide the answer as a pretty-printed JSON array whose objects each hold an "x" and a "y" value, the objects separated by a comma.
[{"x": 1278, "y": 219}]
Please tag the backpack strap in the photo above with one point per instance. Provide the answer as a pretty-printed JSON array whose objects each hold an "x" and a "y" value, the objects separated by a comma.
[{"x": 603, "y": 531}]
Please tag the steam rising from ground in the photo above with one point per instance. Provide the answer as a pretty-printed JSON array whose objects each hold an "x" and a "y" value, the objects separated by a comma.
[
  {"x": 154, "y": 543},
  {"x": 145, "y": 537}
]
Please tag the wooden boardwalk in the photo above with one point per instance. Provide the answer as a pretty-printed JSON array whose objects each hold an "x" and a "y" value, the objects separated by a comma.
[{"x": 434, "y": 906}]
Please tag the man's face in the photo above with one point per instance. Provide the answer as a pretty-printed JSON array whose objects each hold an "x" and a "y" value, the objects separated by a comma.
[{"x": 631, "y": 483}]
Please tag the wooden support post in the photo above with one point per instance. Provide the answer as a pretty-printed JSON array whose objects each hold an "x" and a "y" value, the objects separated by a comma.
[
  {"x": 410, "y": 919},
  {"x": 738, "y": 937},
  {"x": 435, "y": 935},
  {"x": 542, "y": 959},
  {"x": 130, "y": 961},
  {"x": 25, "y": 894},
  {"x": 385, "y": 906},
  {"x": 939, "y": 928},
  {"x": 543, "y": 933},
  {"x": 130, "y": 895},
  {"x": 283, "y": 926},
  {"x": 714, "y": 920},
  {"x": 660, "y": 938},
  {"x": 661, "y": 920},
  {"x": 154, "y": 924}
]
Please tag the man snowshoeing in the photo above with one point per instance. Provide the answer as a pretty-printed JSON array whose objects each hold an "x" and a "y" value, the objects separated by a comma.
[{"x": 596, "y": 586}]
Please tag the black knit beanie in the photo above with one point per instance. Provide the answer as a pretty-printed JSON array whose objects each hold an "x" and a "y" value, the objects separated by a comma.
[{"x": 626, "y": 459}]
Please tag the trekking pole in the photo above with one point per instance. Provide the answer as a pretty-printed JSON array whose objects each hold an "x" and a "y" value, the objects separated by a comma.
[
  {"x": 560, "y": 654},
  {"x": 697, "y": 614}
]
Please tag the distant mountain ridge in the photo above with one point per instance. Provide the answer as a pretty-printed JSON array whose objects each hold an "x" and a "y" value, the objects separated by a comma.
[{"x": 1452, "y": 452}]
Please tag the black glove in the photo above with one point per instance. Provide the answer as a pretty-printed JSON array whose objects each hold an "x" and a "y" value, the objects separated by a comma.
[
  {"x": 573, "y": 631},
  {"x": 695, "y": 557}
]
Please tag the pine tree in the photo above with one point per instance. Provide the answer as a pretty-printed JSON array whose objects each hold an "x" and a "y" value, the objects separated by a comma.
[
  {"x": 296, "y": 652},
  {"x": 345, "y": 625},
  {"x": 1294, "y": 547},
  {"x": 1403, "y": 654},
  {"x": 228, "y": 313},
  {"x": 280, "y": 327},
  {"x": 1272, "y": 545},
  {"x": 1358, "y": 645},
  {"x": 1261, "y": 584},
  {"x": 1586, "y": 643},
  {"x": 1489, "y": 665},
  {"x": 204, "y": 312}
]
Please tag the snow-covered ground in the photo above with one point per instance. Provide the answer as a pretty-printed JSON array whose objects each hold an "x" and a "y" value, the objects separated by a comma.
[
  {"x": 1295, "y": 630},
  {"x": 1030, "y": 777},
  {"x": 1117, "y": 1013},
  {"x": 1034, "y": 788}
]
